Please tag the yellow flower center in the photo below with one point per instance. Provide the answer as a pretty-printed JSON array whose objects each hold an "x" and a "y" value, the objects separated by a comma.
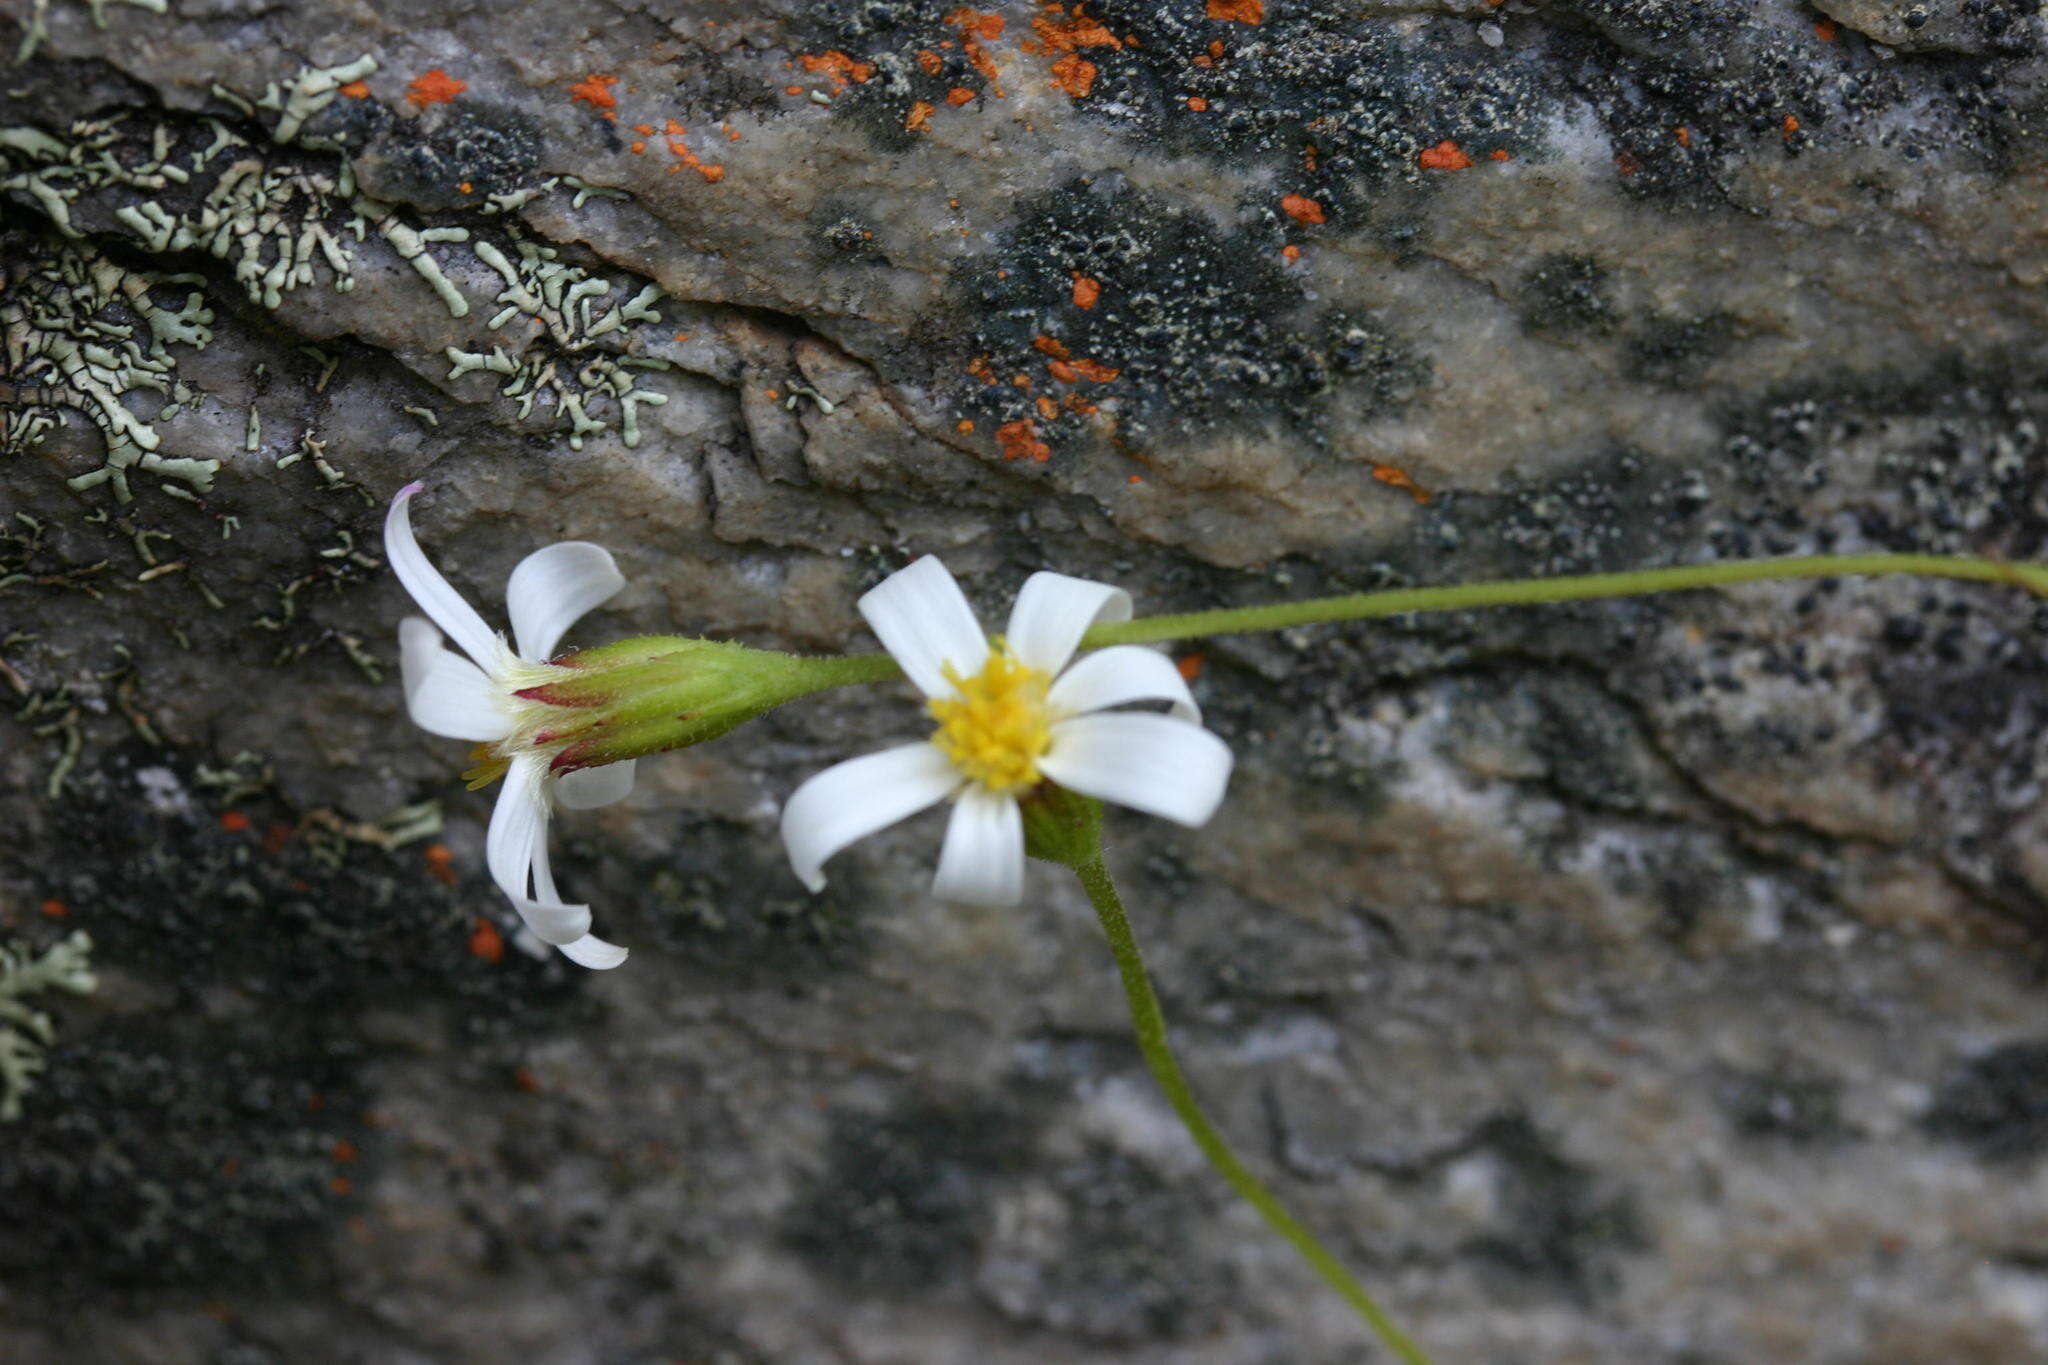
[{"x": 998, "y": 728}]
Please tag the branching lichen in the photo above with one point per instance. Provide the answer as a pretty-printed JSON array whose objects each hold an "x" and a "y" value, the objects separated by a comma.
[
  {"x": 38, "y": 26},
  {"x": 26, "y": 1034}
]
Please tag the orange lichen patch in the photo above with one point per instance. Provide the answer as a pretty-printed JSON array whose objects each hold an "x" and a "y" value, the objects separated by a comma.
[
  {"x": 978, "y": 367},
  {"x": 1301, "y": 208},
  {"x": 964, "y": 427},
  {"x": 1059, "y": 30},
  {"x": 55, "y": 909},
  {"x": 1022, "y": 381},
  {"x": 959, "y": 95},
  {"x": 1791, "y": 125},
  {"x": 1047, "y": 408},
  {"x": 440, "y": 860},
  {"x": 357, "y": 90},
  {"x": 436, "y": 87},
  {"x": 1626, "y": 163},
  {"x": 343, "y": 1151},
  {"x": 1825, "y": 30},
  {"x": 595, "y": 90},
  {"x": 1499, "y": 154},
  {"x": 792, "y": 90},
  {"x": 929, "y": 61},
  {"x": 732, "y": 134},
  {"x": 234, "y": 822},
  {"x": 1238, "y": 11},
  {"x": 466, "y": 188},
  {"x": 526, "y": 1080},
  {"x": 920, "y": 114},
  {"x": 485, "y": 942},
  {"x": 636, "y": 147},
  {"x": 644, "y": 129},
  {"x": 840, "y": 67},
  {"x": 678, "y": 140},
  {"x": 1683, "y": 134},
  {"x": 1019, "y": 441},
  {"x": 1064, "y": 372},
  {"x": 1074, "y": 74},
  {"x": 1076, "y": 403},
  {"x": 975, "y": 24},
  {"x": 1290, "y": 253},
  {"x": 1398, "y": 478},
  {"x": 1198, "y": 104},
  {"x": 1051, "y": 346},
  {"x": 1086, "y": 291},
  {"x": 1135, "y": 478},
  {"x": 1189, "y": 666},
  {"x": 1095, "y": 372},
  {"x": 1445, "y": 156}
]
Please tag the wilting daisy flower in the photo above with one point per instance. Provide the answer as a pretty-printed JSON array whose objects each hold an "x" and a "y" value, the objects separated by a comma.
[
  {"x": 1010, "y": 714},
  {"x": 486, "y": 698}
]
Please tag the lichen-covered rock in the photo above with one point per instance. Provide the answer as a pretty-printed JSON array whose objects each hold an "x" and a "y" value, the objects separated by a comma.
[{"x": 1607, "y": 982}]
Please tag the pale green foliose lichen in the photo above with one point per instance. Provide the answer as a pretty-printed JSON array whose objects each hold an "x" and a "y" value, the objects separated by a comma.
[{"x": 25, "y": 1033}]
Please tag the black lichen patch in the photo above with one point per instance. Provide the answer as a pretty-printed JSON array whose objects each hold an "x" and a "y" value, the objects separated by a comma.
[
  {"x": 1566, "y": 294},
  {"x": 491, "y": 149},
  {"x": 1105, "y": 305},
  {"x": 1997, "y": 1104},
  {"x": 1558, "y": 1227},
  {"x": 180, "y": 1151},
  {"x": 723, "y": 897},
  {"x": 902, "y": 1202},
  {"x": 1672, "y": 351},
  {"x": 892, "y": 65},
  {"x": 1122, "y": 1270},
  {"x": 1792, "y": 1103}
]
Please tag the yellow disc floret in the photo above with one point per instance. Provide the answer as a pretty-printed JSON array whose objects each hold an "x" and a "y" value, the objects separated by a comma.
[{"x": 998, "y": 728}]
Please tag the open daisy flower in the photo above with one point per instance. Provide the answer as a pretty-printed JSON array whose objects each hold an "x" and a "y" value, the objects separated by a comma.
[
  {"x": 1010, "y": 715},
  {"x": 485, "y": 698}
]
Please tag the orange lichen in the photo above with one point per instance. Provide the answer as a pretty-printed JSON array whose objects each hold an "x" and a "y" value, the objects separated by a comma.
[
  {"x": 343, "y": 1151},
  {"x": 1060, "y": 31},
  {"x": 1238, "y": 11},
  {"x": 1019, "y": 441},
  {"x": 466, "y": 188},
  {"x": 979, "y": 368},
  {"x": 1825, "y": 30},
  {"x": 975, "y": 28},
  {"x": 840, "y": 67},
  {"x": 1135, "y": 478},
  {"x": 1301, "y": 208},
  {"x": 1095, "y": 372},
  {"x": 55, "y": 909},
  {"x": 1393, "y": 477},
  {"x": 1047, "y": 408},
  {"x": 1791, "y": 125},
  {"x": 485, "y": 942},
  {"x": 1627, "y": 163},
  {"x": 1074, "y": 74},
  {"x": 1445, "y": 156},
  {"x": 234, "y": 822},
  {"x": 595, "y": 91},
  {"x": 920, "y": 113},
  {"x": 1076, "y": 403},
  {"x": 357, "y": 90},
  {"x": 440, "y": 861},
  {"x": 678, "y": 141},
  {"x": 636, "y": 147},
  {"x": 792, "y": 90},
  {"x": 1198, "y": 104},
  {"x": 964, "y": 426},
  {"x": 1684, "y": 135},
  {"x": 1086, "y": 291},
  {"x": 1051, "y": 346},
  {"x": 1189, "y": 666},
  {"x": 929, "y": 61},
  {"x": 1499, "y": 154},
  {"x": 1022, "y": 381},
  {"x": 1290, "y": 253},
  {"x": 436, "y": 87},
  {"x": 1064, "y": 372}
]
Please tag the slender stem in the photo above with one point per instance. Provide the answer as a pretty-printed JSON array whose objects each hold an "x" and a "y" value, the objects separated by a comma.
[
  {"x": 1522, "y": 592},
  {"x": 1150, "y": 1024},
  {"x": 844, "y": 670}
]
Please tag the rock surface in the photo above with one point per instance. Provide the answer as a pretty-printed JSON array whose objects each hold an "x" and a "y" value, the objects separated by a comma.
[{"x": 1643, "y": 981}]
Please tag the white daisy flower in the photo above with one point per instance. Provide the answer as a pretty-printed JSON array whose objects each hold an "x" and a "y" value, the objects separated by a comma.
[
  {"x": 479, "y": 698},
  {"x": 1011, "y": 714}
]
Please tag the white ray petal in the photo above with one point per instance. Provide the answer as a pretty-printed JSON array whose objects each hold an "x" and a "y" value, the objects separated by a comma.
[
  {"x": 552, "y": 589},
  {"x": 593, "y": 952},
  {"x": 982, "y": 862},
  {"x": 1118, "y": 676},
  {"x": 434, "y": 594},
  {"x": 852, "y": 800},
  {"x": 1053, "y": 612},
  {"x": 1156, "y": 764},
  {"x": 516, "y": 850},
  {"x": 589, "y": 788},
  {"x": 923, "y": 620},
  {"x": 446, "y": 694}
]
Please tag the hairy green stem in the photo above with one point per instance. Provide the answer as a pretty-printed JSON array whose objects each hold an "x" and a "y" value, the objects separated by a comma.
[
  {"x": 1150, "y": 1024},
  {"x": 1530, "y": 591}
]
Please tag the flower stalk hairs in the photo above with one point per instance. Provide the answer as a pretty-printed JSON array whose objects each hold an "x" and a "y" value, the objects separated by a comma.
[{"x": 1027, "y": 739}]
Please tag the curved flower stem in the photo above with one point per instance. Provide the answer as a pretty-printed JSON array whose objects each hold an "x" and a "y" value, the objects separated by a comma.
[
  {"x": 1528, "y": 591},
  {"x": 1150, "y": 1024}
]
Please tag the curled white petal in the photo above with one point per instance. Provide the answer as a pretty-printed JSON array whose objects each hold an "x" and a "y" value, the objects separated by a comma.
[
  {"x": 434, "y": 594},
  {"x": 446, "y": 694},
  {"x": 593, "y": 952},
  {"x": 515, "y": 848},
  {"x": 1118, "y": 676},
  {"x": 1156, "y": 764},
  {"x": 1053, "y": 612},
  {"x": 923, "y": 620},
  {"x": 852, "y": 800},
  {"x": 982, "y": 862},
  {"x": 552, "y": 589},
  {"x": 589, "y": 788}
]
